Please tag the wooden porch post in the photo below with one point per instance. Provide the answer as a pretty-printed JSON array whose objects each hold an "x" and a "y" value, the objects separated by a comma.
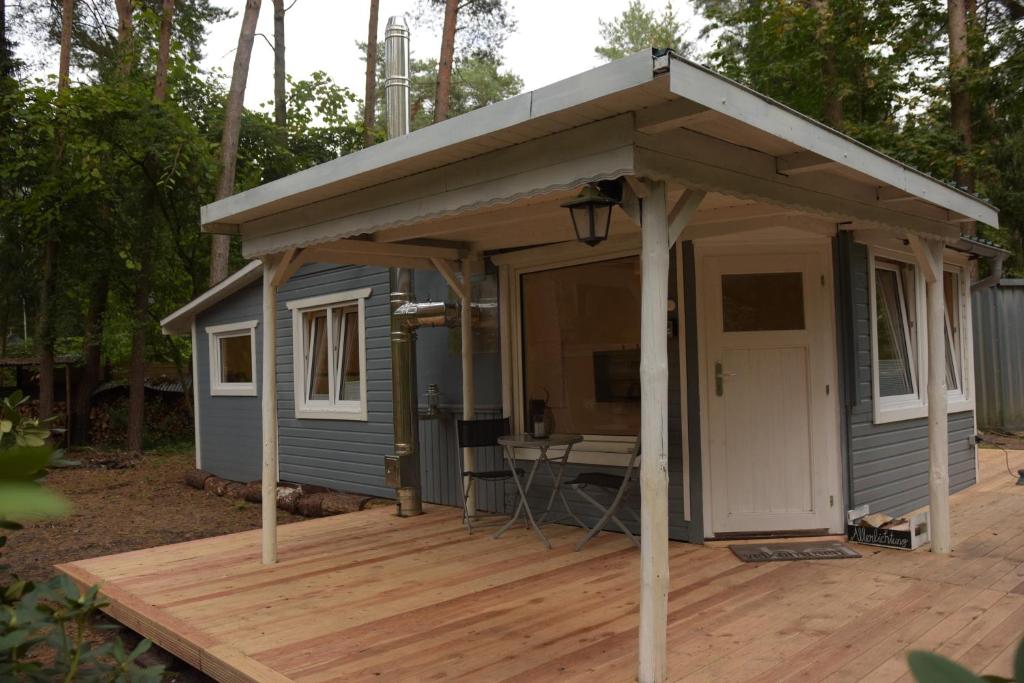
[
  {"x": 938, "y": 427},
  {"x": 269, "y": 413},
  {"x": 468, "y": 391},
  {"x": 654, "y": 260}
]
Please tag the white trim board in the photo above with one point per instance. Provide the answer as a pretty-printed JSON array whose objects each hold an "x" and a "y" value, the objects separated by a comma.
[{"x": 196, "y": 412}]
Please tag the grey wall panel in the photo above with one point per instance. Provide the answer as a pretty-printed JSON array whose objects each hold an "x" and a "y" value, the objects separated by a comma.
[
  {"x": 347, "y": 455},
  {"x": 999, "y": 356},
  {"x": 230, "y": 438},
  {"x": 888, "y": 466}
]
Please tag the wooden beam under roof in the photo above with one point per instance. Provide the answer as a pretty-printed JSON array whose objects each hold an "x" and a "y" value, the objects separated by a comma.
[
  {"x": 667, "y": 116},
  {"x": 704, "y": 162},
  {"x": 802, "y": 162}
]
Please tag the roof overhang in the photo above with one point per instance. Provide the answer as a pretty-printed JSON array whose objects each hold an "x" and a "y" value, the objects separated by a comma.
[
  {"x": 180, "y": 322},
  {"x": 648, "y": 115}
]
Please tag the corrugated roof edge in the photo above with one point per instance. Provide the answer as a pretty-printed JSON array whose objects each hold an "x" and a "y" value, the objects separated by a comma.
[
  {"x": 979, "y": 246},
  {"x": 724, "y": 106},
  {"x": 179, "y": 322}
]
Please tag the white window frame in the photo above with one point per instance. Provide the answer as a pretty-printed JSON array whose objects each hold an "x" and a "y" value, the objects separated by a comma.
[
  {"x": 214, "y": 334},
  {"x": 962, "y": 398},
  {"x": 912, "y": 406},
  {"x": 330, "y": 409}
]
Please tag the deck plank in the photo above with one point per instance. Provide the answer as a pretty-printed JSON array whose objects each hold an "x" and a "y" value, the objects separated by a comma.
[{"x": 370, "y": 596}]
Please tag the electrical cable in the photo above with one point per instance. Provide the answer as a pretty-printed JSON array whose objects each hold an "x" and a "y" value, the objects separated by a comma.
[{"x": 978, "y": 438}]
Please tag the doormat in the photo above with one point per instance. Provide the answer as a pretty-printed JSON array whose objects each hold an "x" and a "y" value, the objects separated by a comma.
[{"x": 788, "y": 552}]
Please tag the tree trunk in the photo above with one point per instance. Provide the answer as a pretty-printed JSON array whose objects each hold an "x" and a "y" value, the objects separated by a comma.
[
  {"x": 92, "y": 358},
  {"x": 137, "y": 362},
  {"x": 44, "y": 331},
  {"x": 959, "y": 94},
  {"x": 51, "y": 248},
  {"x": 137, "y": 367},
  {"x": 221, "y": 244},
  {"x": 6, "y": 65},
  {"x": 832, "y": 105},
  {"x": 444, "y": 64},
  {"x": 370, "y": 102},
  {"x": 280, "y": 103},
  {"x": 163, "y": 51},
  {"x": 125, "y": 49},
  {"x": 64, "y": 70}
]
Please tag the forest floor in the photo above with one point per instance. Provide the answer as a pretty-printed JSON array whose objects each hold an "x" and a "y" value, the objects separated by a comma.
[{"x": 120, "y": 504}]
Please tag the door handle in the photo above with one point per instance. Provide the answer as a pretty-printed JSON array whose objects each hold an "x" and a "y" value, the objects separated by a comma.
[{"x": 720, "y": 378}]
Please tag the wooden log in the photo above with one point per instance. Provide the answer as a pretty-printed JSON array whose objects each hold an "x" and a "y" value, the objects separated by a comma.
[
  {"x": 288, "y": 498},
  {"x": 197, "y": 478},
  {"x": 253, "y": 491},
  {"x": 268, "y": 414},
  {"x": 654, "y": 260},
  {"x": 234, "y": 490},
  {"x": 216, "y": 485},
  {"x": 310, "y": 504},
  {"x": 338, "y": 503}
]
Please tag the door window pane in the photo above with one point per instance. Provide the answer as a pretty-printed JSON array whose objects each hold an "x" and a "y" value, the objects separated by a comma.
[
  {"x": 761, "y": 302},
  {"x": 892, "y": 328},
  {"x": 236, "y": 359}
]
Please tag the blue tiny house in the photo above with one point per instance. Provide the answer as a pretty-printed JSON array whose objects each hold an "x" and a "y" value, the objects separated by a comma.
[
  {"x": 574, "y": 318},
  {"x": 800, "y": 313}
]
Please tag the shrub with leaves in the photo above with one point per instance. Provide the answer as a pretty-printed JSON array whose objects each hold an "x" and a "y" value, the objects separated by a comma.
[
  {"x": 55, "y": 615},
  {"x": 928, "y": 667},
  {"x": 25, "y": 455}
]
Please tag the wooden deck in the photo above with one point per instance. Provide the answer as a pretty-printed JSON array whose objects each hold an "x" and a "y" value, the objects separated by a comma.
[{"x": 369, "y": 596}]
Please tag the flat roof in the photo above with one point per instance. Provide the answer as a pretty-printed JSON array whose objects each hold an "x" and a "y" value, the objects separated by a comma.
[{"x": 621, "y": 86}]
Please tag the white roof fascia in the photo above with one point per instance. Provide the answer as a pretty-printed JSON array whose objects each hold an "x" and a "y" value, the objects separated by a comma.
[
  {"x": 602, "y": 81},
  {"x": 723, "y": 95},
  {"x": 180, "y": 321}
]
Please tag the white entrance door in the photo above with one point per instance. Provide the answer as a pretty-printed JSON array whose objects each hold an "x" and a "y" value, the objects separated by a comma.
[{"x": 769, "y": 394}]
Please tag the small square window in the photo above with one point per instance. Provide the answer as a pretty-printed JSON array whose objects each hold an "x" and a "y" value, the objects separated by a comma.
[{"x": 233, "y": 359}]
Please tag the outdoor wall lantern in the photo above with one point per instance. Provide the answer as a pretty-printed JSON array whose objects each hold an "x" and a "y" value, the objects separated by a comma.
[{"x": 591, "y": 213}]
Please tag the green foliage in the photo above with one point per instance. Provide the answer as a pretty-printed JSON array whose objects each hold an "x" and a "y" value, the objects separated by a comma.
[
  {"x": 25, "y": 455},
  {"x": 478, "y": 79},
  {"x": 51, "y": 616},
  {"x": 928, "y": 667},
  {"x": 884, "y": 64},
  {"x": 54, "y": 616},
  {"x": 482, "y": 26},
  {"x": 638, "y": 28}
]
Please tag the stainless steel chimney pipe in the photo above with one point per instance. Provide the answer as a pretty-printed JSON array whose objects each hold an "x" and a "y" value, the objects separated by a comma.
[
  {"x": 402, "y": 471},
  {"x": 396, "y": 76}
]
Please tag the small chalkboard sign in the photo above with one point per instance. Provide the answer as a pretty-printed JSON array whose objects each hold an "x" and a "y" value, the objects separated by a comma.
[{"x": 903, "y": 537}]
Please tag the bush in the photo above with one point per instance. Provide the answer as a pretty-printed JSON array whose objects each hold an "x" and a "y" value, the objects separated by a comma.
[{"x": 54, "y": 614}]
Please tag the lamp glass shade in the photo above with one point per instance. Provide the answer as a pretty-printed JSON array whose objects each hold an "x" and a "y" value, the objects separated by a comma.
[{"x": 591, "y": 214}]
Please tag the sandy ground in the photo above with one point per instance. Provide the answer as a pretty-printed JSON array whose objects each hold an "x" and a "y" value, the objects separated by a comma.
[{"x": 121, "y": 504}]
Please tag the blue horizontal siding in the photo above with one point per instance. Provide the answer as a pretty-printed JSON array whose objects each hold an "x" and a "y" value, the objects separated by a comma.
[{"x": 888, "y": 466}]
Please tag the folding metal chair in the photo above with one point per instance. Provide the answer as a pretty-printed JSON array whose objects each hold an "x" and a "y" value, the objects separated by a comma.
[
  {"x": 482, "y": 434},
  {"x": 613, "y": 486}
]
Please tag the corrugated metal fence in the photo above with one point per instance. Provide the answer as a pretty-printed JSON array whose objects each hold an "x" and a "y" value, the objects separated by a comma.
[{"x": 999, "y": 355}]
